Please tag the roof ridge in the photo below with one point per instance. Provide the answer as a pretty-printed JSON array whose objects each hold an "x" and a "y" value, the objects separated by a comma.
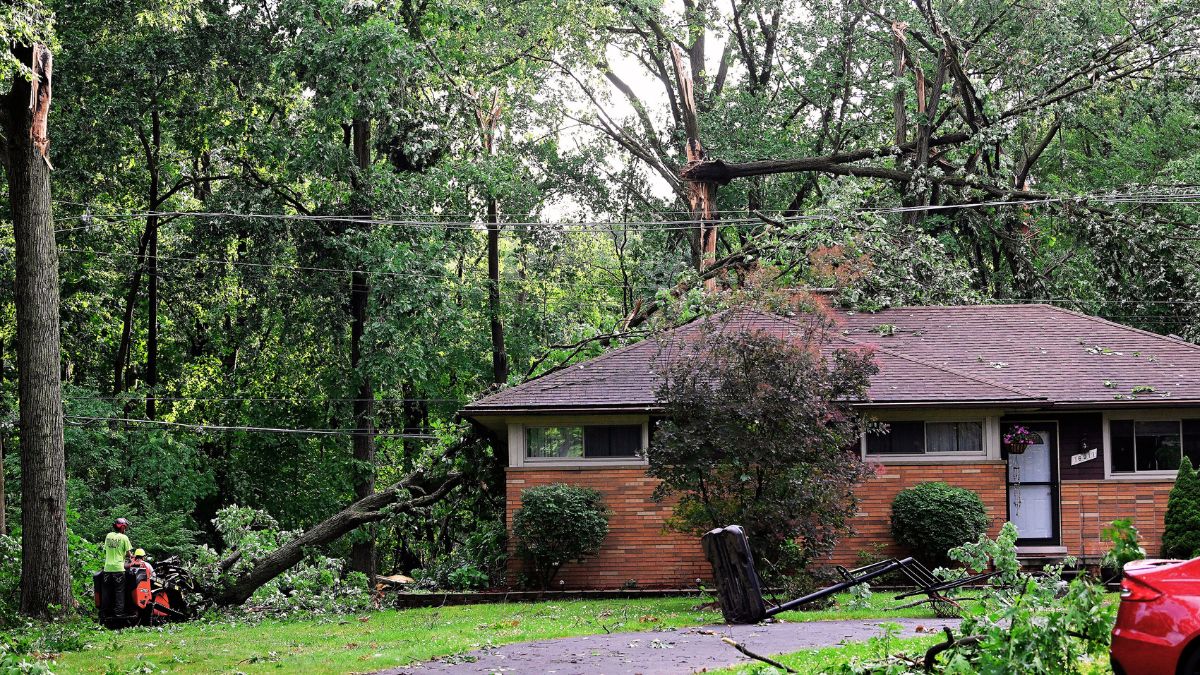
[
  {"x": 1114, "y": 324},
  {"x": 970, "y": 306},
  {"x": 923, "y": 362}
]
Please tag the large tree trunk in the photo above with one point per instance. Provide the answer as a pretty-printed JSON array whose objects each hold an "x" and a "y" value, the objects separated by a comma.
[
  {"x": 152, "y": 268},
  {"x": 122, "y": 357},
  {"x": 395, "y": 499},
  {"x": 45, "y": 575},
  {"x": 499, "y": 354},
  {"x": 362, "y": 553},
  {"x": 701, "y": 194},
  {"x": 488, "y": 119}
]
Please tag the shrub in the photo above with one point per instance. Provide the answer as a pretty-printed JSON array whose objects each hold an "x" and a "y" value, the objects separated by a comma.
[
  {"x": 557, "y": 524},
  {"x": 1125, "y": 546},
  {"x": 932, "y": 518},
  {"x": 1181, "y": 534},
  {"x": 757, "y": 432}
]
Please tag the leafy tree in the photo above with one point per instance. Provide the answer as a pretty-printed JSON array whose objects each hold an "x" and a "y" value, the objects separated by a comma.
[
  {"x": 759, "y": 431},
  {"x": 1181, "y": 531},
  {"x": 557, "y": 524}
]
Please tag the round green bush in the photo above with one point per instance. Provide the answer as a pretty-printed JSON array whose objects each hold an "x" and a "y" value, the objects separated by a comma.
[
  {"x": 557, "y": 524},
  {"x": 929, "y": 519}
]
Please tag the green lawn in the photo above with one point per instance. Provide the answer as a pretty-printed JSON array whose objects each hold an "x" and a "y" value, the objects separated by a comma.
[
  {"x": 376, "y": 640},
  {"x": 830, "y": 659}
]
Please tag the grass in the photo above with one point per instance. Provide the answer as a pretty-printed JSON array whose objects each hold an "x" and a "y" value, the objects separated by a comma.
[
  {"x": 390, "y": 638},
  {"x": 830, "y": 659}
]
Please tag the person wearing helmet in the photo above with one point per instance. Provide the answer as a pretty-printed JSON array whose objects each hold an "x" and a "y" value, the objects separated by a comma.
[
  {"x": 116, "y": 551},
  {"x": 139, "y": 560}
]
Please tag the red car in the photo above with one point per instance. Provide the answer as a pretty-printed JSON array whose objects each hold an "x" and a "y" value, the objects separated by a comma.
[{"x": 1158, "y": 623}]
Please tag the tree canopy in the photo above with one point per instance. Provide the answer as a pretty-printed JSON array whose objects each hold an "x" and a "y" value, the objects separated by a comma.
[{"x": 504, "y": 187}]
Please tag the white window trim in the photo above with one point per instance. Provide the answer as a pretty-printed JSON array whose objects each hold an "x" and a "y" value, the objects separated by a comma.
[
  {"x": 516, "y": 442},
  {"x": 991, "y": 438},
  {"x": 1163, "y": 415}
]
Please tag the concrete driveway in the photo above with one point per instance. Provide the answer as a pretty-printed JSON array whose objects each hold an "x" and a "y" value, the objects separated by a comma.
[{"x": 686, "y": 650}]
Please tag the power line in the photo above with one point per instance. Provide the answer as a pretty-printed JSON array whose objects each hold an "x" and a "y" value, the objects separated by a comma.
[
  {"x": 480, "y": 283},
  {"x": 265, "y": 430},
  {"x": 1151, "y": 195}
]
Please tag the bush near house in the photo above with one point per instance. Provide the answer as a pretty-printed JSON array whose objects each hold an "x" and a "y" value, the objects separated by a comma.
[
  {"x": 1181, "y": 534},
  {"x": 557, "y": 524},
  {"x": 756, "y": 433},
  {"x": 931, "y": 518}
]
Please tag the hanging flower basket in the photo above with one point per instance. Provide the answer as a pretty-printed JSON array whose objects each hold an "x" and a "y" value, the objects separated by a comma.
[
  {"x": 1016, "y": 448},
  {"x": 1018, "y": 439}
]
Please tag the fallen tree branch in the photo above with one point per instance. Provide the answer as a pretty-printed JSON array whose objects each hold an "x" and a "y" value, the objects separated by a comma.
[
  {"x": 757, "y": 657},
  {"x": 406, "y": 494},
  {"x": 932, "y": 653}
]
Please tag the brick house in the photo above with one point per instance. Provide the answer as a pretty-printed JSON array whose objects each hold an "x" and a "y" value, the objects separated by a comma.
[{"x": 1116, "y": 409}]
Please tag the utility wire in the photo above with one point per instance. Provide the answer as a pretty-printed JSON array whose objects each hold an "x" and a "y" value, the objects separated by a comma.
[
  {"x": 668, "y": 225},
  {"x": 266, "y": 430}
]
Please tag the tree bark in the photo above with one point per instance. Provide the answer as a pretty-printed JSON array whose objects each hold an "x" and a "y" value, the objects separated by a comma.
[
  {"x": 152, "y": 268},
  {"x": 3, "y": 495},
  {"x": 396, "y": 498},
  {"x": 499, "y": 354},
  {"x": 701, "y": 193},
  {"x": 45, "y": 574},
  {"x": 362, "y": 553},
  {"x": 135, "y": 282}
]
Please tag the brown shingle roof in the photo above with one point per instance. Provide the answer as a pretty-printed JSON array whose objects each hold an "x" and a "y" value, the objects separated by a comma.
[
  {"x": 1060, "y": 355},
  {"x": 625, "y": 378}
]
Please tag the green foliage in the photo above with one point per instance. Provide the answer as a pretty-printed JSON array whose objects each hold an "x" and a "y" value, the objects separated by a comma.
[
  {"x": 557, "y": 524},
  {"x": 186, "y": 107},
  {"x": 477, "y": 562},
  {"x": 318, "y": 585},
  {"x": 1181, "y": 531},
  {"x": 1034, "y": 623},
  {"x": 755, "y": 433},
  {"x": 24, "y": 23},
  {"x": 932, "y": 518},
  {"x": 999, "y": 554},
  {"x": 1125, "y": 546}
]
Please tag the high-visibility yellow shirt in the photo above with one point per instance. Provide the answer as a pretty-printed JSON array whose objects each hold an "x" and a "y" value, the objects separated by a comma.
[{"x": 116, "y": 545}]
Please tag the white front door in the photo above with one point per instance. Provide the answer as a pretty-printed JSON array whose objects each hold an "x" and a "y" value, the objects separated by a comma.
[{"x": 1033, "y": 490}]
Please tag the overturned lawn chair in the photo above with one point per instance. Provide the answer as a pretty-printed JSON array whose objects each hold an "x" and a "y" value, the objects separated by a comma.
[{"x": 740, "y": 593}]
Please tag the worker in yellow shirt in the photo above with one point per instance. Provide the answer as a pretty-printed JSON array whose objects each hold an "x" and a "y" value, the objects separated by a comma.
[{"x": 116, "y": 552}]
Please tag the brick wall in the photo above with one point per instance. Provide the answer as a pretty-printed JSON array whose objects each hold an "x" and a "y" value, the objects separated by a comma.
[
  {"x": 637, "y": 547},
  {"x": 873, "y": 523},
  {"x": 1087, "y": 506}
]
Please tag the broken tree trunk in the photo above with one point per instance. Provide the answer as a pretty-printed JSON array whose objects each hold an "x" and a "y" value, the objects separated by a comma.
[
  {"x": 395, "y": 499},
  {"x": 489, "y": 121},
  {"x": 702, "y": 193},
  {"x": 45, "y": 571}
]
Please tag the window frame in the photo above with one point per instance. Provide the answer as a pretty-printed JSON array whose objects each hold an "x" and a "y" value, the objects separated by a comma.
[
  {"x": 1164, "y": 415},
  {"x": 517, "y": 441},
  {"x": 989, "y": 421}
]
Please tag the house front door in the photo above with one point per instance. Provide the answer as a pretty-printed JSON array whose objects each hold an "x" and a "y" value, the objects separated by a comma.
[{"x": 1033, "y": 489}]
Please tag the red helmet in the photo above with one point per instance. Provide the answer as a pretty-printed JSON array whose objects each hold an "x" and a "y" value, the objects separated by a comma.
[{"x": 121, "y": 525}]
